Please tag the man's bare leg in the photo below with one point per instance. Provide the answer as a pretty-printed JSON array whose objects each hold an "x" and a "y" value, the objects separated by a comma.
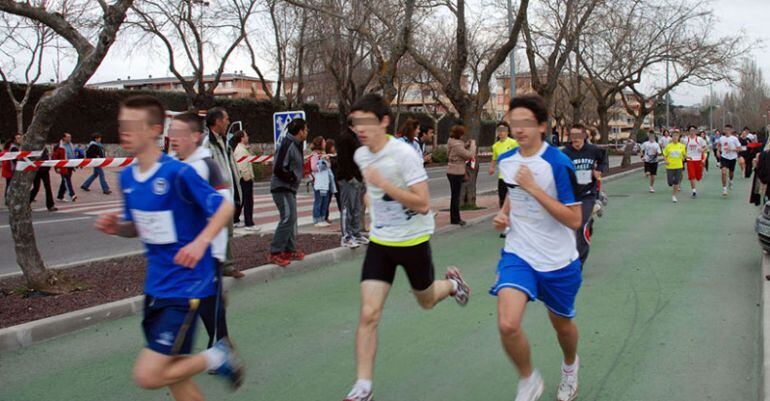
[
  {"x": 154, "y": 370},
  {"x": 186, "y": 390},
  {"x": 567, "y": 333},
  {"x": 511, "y": 304},
  {"x": 437, "y": 292},
  {"x": 373, "y": 296}
]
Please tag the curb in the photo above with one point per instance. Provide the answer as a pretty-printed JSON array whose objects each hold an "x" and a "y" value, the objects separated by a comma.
[
  {"x": 764, "y": 390},
  {"x": 31, "y": 333}
]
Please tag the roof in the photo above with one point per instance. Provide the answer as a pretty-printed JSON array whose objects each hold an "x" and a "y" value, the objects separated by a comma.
[{"x": 164, "y": 80}]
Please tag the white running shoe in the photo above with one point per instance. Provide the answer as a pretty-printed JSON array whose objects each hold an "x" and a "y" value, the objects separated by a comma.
[
  {"x": 349, "y": 243},
  {"x": 724, "y": 191},
  {"x": 673, "y": 198},
  {"x": 568, "y": 387},
  {"x": 357, "y": 394},
  {"x": 463, "y": 292},
  {"x": 239, "y": 224},
  {"x": 361, "y": 240},
  {"x": 652, "y": 190},
  {"x": 730, "y": 186},
  {"x": 531, "y": 388},
  {"x": 252, "y": 228}
]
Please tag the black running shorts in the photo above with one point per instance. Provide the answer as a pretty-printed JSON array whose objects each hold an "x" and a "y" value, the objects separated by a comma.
[
  {"x": 381, "y": 262},
  {"x": 651, "y": 168},
  {"x": 728, "y": 164}
]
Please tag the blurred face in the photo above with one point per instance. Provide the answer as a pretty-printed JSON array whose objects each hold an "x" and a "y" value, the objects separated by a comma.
[
  {"x": 526, "y": 130},
  {"x": 17, "y": 139},
  {"x": 429, "y": 135},
  {"x": 67, "y": 138},
  {"x": 729, "y": 131},
  {"x": 222, "y": 124},
  {"x": 245, "y": 139},
  {"x": 692, "y": 132},
  {"x": 651, "y": 137},
  {"x": 502, "y": 133},
  {"x": 368, "y": 128},
  {"x": 676, "y": 137},
  {"x": 182, "y": 139},
  {"x": 577, "y": 137},
  {"x": 136, "y": 133}
]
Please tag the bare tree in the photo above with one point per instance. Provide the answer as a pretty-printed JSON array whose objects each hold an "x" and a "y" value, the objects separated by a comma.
[
  {"x": 24, "y": 45},
  {"x": 469, "y": 104},
  {"x": 90, "y": 55},
  {"x": 191, "y": 33}
]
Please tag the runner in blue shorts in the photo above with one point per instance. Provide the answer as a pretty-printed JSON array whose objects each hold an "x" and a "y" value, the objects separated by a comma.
[
  {"x": 540, "y": 259},
  {"x": 177, "y": 215}
]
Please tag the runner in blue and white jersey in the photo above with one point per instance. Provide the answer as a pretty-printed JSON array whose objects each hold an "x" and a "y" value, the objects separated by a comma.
[{"x": 177, "y": 215}]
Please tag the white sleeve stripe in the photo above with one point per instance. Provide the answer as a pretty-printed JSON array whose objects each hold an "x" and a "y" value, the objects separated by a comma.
[
  {"x": 417, "y": 180},
  {"x": 573, "y": 203}
]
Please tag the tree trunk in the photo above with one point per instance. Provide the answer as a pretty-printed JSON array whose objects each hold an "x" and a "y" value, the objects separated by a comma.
[
  {"x": 628, "y": 151},
  {"x": 604, "y": 124},
  {"x": 19, "y": 119}
]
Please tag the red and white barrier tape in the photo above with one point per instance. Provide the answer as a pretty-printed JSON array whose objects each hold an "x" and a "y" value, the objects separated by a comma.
[
  {"x": 255, "y": 159},
  {"x": 4, "y": 155},
  {"x": 74, "y": 163}
]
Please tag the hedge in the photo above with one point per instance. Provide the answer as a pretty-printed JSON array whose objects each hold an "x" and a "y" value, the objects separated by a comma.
[{"x": 96, "y": 111}]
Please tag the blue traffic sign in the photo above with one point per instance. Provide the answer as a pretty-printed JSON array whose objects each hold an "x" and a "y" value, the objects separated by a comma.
[{"x": 281, "y": 121}]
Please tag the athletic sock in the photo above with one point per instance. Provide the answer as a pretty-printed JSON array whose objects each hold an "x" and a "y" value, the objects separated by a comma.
[
  {"x": 215, "y": 358},
  {"x": 364, "y": 386},
  {"x": 569, "y": 369},
  {"x": 454, "y": 286}
]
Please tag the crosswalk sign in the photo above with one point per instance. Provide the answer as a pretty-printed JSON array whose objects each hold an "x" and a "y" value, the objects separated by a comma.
[{"x": 281, "y": 121}]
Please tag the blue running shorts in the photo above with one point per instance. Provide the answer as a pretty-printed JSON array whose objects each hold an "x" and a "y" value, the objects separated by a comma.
[{"x": 164, "y": 325}]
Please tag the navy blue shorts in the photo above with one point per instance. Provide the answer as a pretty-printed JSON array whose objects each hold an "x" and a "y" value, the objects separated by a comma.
[
  {"x": 556, "y": 289},
  {"x": 163, "y": 324}
]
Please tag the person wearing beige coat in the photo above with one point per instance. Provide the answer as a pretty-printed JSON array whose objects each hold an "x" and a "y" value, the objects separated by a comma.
[
  {"x": 241, "y": 150},
  {"x": 458, "y": 155}
]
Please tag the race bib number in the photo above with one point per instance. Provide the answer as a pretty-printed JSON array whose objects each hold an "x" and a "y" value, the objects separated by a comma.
[
  {"x": 155, "y": 228},
  {"x": 584, "y": 176},
  {"x": 524, "y": 205},
  {"x": 390, "y": 213}
]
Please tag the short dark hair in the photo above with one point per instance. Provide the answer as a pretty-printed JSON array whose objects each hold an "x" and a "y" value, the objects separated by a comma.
[
  {"x": 155, "y": 111},
  {"x": 457, "y": 132},
  {"x": 94, "y": 137},
  {"x": 691, "y": 127},
  {"x": 330, "y": 143},
  {"x": 215, "y": 114},
  {"x": 372, "y": 103},
  {"x": 192, "y": 120},
  {"x": 746, "y": 129},
  {"x": 236, "y": 139},
  {"x": 533, "y": 103},
  {"x": 296, "y": 125},
  {"x": 577, "y": 126},
  {"x": 728, "y": 126}
]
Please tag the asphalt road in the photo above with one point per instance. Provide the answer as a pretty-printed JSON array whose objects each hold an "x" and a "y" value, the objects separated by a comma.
[
  {"x": 668, "y": 310},
  {"x": 69, "y": 237}
]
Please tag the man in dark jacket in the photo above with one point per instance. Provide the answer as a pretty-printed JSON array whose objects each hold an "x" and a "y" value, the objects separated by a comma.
[
  {"x": 590, "y": 162},
  {"x": 95, "y": 150},
  {"x": 351, "y": 186},
  {"x": 43, "y": 175},
  {"x": 287, "y": 174}
]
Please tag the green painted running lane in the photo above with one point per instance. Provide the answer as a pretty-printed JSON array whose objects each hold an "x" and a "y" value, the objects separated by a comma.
[{"x": 669, "y": 310}]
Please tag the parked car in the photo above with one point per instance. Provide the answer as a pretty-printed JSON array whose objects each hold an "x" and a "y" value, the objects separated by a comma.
[{"x": 763, "y": 227}]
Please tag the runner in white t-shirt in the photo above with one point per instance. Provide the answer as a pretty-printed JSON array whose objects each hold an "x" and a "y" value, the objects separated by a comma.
[
  {"x": 402, "y": 224},
  {"x": 665, "y": 139},
  {"x": 728, "y": 149},
  {"x": 539, "y": 260},
  {"x": 696, "y": 151},
  {"x": 650, "y": 151}
]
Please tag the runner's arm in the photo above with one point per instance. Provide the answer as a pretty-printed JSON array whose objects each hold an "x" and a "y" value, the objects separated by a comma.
[
  {"x": 571, "y": 215},
  {"x": 415, "y": 198}
]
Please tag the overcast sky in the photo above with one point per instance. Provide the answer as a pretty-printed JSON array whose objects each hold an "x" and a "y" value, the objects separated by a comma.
[{"x": 751, "y": 16}]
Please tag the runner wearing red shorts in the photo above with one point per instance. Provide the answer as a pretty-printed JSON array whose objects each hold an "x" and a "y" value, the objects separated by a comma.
[{"x": 696, "y": 150}]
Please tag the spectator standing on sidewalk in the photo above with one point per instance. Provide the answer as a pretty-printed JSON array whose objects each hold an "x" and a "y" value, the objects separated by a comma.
[
  {"x": 458, "y": 154},
  {"x": 95, "y": 150},
  {"x": 426, "y": 137},
  {"x": 217, "y": 121},
  {"x": 408, "y": 134},
  {"x": 240, "y": 145},
  {"x": 65, "y": 151},
  {"x": 43, "y": 175},
  {"x": 351, "y": 188},
  {"x": 323, "y": 182},
  {"x": 331, "y": 153},
  {"x": 13, "y": 145},
  {"x": 287, "y": 174}
]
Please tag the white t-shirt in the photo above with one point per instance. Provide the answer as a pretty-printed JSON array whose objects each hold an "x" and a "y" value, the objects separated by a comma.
[
  {"x": 751, "y": 137},
  {"x": 730, "y": 146},
  {"x": 651, "y": 151},
  {"x": 695, "y": 147},
  {"x": 392, "y": 223},
  {"x": 664, "y": 140},
  {"x": 534, "y": 235}
]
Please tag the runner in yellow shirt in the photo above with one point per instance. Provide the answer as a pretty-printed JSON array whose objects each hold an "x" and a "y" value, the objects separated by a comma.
[
  {"x": 674, "y": 153},
  {"x": 503, "y": 144}
]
